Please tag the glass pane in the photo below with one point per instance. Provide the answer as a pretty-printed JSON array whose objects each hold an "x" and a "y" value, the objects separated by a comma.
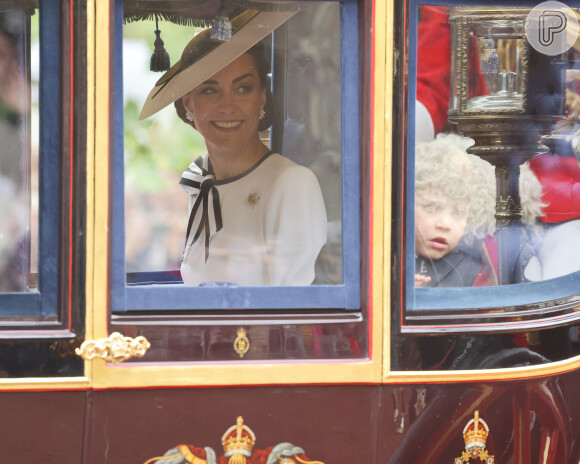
[
  {"x": 498, "y": 48},
  {"x": 19, "y": 69},
  {"x": 496, "y": 191},
  {"x": 494, "y": 186},
  {"x": 157, "y": 150},
  {"x": 266, "y": 219}
]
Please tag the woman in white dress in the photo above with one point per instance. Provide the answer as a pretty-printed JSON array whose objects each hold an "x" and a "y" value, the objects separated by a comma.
[{"x": 256, "y": 218}]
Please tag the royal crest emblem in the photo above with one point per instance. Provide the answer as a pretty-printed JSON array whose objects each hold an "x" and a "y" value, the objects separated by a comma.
[
  {"x": 475, "y": 435},
  {"x": 238, "y": 448},
  {"x": 242, "y": 342}
]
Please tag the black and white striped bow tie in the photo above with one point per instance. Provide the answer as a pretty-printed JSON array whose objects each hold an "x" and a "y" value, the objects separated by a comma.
[{"x": 199, "y": 180}]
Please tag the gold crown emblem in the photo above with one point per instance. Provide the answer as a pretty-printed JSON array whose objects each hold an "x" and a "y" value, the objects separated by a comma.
[
  {"x": 238, "y": 442},
  {"x": 475, "y": 433}
]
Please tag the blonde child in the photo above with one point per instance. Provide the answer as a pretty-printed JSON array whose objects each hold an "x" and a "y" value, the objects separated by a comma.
[{"x": 454, "y": 202}]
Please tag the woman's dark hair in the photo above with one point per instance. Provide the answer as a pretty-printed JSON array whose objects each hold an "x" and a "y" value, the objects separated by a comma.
[{"x": 262, "y": 68}]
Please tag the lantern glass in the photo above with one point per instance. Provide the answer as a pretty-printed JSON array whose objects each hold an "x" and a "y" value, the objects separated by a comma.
[{"x": 498, "y": 48}]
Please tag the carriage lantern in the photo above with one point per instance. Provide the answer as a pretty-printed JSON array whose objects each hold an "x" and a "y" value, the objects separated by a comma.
[{"x": 506, "y": 96}]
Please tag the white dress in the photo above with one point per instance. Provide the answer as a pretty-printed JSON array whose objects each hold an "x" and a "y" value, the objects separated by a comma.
[
  {"x": 274, "y": 225},
  {"x": 558, "y": 252}
]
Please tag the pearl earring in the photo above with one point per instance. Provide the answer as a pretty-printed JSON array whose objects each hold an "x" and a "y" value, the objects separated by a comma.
[
  {"x": 189, "y": 116},
  {"x": 262, "y": 113}
]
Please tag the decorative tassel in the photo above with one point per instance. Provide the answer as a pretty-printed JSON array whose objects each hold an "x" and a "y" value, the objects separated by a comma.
[
  {"x": 221, "y": 29},
  {"x": 237, "y": 459},
  {"x": 160, "y": 58}
]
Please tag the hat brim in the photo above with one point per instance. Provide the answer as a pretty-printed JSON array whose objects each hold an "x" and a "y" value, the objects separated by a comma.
[{"x": 176, "y": 82}]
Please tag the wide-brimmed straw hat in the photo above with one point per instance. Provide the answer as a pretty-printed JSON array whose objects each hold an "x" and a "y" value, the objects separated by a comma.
[{"x": 203, "y": 57}]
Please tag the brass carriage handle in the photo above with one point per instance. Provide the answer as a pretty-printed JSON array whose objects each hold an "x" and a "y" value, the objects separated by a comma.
[{"x": 116, "y": 348}]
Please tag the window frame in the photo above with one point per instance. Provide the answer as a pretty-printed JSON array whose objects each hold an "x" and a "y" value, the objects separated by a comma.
[
  {"x": 165, "y": 365},
  {"x": 345, "y": 296},
  {"x": 46, "y": 339},
  {"x": 456, "y": 310},
  {"x": 55, "y": 311},
  {"x": 43, "y": 303}
]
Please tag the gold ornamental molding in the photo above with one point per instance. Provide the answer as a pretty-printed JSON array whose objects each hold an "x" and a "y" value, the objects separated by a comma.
[{"x": 116, "y": 348}]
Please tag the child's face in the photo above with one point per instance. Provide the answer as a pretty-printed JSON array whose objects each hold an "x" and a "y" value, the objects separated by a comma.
[{"x": 439, "y": 224}]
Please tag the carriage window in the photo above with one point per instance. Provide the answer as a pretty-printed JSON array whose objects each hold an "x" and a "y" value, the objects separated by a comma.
[
  {"x": 27, "y": 273},
  {"x": 19, "y": 161},
  {"x": 493, "y": 196},
  {"x": 489, "y": 250},
  {"x": 232, "y": 164}
]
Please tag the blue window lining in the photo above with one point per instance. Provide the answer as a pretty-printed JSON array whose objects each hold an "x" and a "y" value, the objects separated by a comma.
[
  {"x": 171, "y": 296},
  {"x": 463, "y": 297},
  {"x": 44, "y": 301}
]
